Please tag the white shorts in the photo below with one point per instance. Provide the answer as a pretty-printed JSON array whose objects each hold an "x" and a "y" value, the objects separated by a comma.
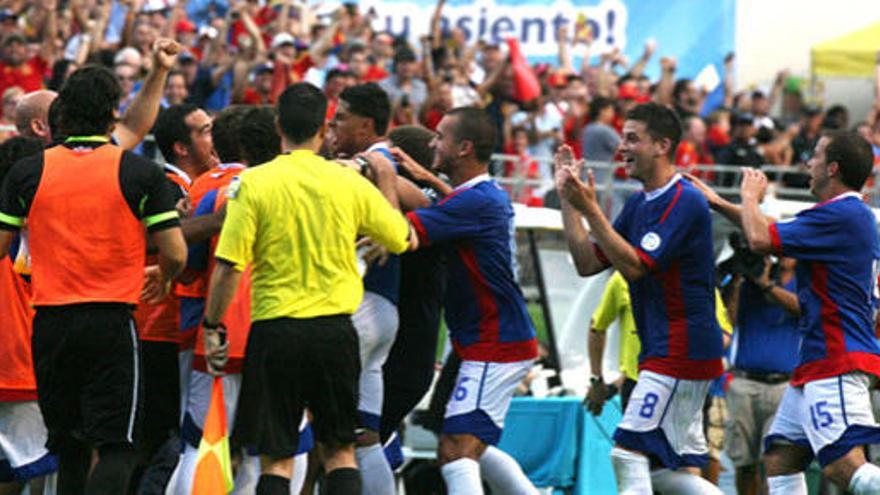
[
  {"x": 481, "y": 398},
  {"x": 376, "y": 322},
  {"x": 664, "y": 419},
  {"x": 829, "y": 416},
  {"x": 23, "y": 453}
]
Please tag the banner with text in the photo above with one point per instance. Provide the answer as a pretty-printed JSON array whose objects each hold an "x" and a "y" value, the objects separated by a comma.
[{"x": 698, "y": 34}]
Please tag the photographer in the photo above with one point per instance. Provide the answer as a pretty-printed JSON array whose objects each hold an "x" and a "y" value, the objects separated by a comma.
[{"x": 763, "y": 354}]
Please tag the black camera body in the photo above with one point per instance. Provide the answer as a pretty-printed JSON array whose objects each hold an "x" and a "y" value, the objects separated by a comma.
[{"x": 743, "y": 262}]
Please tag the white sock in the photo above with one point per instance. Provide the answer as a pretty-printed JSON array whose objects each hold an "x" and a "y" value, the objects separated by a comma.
[
  {"x": 298, "y": 478},
  {"x": 503, "y": 474},
  {"x": 462, "y": 477},
  {"x": 633, "y": 472},
  {"x": 866, "y": 480},
  {"x": 376, "y": 474},
  {"x": 681, "y": 483},
  {"x": 789, "y": 484}
]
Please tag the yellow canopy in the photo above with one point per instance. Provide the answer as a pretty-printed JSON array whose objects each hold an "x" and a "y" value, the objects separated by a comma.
[{"x": 851, "y": 55}]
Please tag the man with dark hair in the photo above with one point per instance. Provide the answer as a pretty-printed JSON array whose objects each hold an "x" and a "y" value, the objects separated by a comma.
[
  {"x": 360, "y": 125},
  {"x": 409, "y": 370},
  {"x": 228, "y": 127},
  {"x": 600, "y": 140},
  {"x": 294, "y": 220},
  {"x": 258, "y": 135},
  {"x": 405, "y": 83},
  {"x": 87, "y": 203},
  {"x": 662, "y": 245},
  {"x": 183, "y": 134},
  {"x": 826, "y": 410},
  {"x": 486, "y": 313}
]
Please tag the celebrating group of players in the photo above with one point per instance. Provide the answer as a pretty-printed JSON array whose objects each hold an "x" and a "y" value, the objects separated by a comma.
[
  {"x": 255, "y": 245},
  {"x": 662, "y": 244},
  {"x": 294, "y": 279}
]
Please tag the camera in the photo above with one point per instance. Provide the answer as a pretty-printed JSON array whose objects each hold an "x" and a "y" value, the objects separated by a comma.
[{"x": 743, "y": 262}]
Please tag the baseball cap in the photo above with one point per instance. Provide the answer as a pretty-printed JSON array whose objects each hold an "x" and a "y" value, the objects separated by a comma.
[
  {"x": 266, "y": 68},
  {"x": 186, "y": 57},
  {"x": 282, "y": 39},
  {"x": 744, "y": 118},
  {"x": 185, "y": 26},
  {"x": 209, "y": 31}
]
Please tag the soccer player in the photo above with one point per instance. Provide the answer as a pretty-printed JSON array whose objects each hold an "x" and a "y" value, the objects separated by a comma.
[
  {"x": 662, "y": 245},
  {"x": 360, "y": 125},
  {"x": 485, "y": 309},
  {"x": 23, "y": 455},
  {"x": 87, "y": 203},
  {"x": 295, "y": 220},
  {"x": 826, "y": 409}
]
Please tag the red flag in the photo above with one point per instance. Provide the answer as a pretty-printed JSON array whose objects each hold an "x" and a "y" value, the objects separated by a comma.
[{"x": 525, "y": 84}]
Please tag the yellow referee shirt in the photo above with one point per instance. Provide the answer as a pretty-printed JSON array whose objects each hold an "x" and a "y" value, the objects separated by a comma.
[
  {"x": 295, "y": 219},
  {"x": 615, "y": 303}
]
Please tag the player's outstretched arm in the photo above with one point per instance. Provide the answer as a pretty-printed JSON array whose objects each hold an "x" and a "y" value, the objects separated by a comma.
[{"x": 755, "y": 225}]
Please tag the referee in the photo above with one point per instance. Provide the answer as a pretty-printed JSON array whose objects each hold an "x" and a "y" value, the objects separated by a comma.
[
  {"x": 295, "y": 221},
  {"x": 87, "y": 202}
]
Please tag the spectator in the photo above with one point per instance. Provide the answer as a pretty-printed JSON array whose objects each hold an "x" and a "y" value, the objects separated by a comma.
[
  {"x": 176, "y": 91},
  {"x": 600, "y": 140},
  {"x": 10, "y": 99},
  {"x": 403, "y": 86},
  {"x": 742, "y": 150},
  {"x": 692, "y": 150}
]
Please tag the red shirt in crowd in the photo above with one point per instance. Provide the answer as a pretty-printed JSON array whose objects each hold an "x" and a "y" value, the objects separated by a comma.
[
  {"x": 688, "y": 156},
  {"x": 27, "y": 76}
]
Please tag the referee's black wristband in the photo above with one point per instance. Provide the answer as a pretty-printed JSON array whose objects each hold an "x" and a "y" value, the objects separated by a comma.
[
  {"x": 364, "y": 163},
  {"x": 213, "y": 326}
]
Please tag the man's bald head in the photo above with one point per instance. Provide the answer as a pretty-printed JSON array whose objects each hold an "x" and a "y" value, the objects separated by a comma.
[{"x": 32, "y": 114}]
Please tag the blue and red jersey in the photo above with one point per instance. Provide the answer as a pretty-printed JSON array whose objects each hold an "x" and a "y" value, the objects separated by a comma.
[
  {"x": 837, "y": 249},
  {"x": 674, "y": 303},
  {"x": 485, "y": 310},
  {"x": 384, "y": 279}
]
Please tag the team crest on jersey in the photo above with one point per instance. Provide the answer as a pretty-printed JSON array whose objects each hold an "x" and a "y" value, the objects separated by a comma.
[
  {"x": 232, "y": 189},
  {"x": 650, "y": 241}
]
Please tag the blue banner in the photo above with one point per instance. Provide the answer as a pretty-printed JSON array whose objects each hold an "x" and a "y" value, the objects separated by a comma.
[{"x": 697, "y": 33}]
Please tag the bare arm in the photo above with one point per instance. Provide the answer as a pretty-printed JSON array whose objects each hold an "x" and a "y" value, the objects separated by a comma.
[
  {"x": 49, "y": 31},
  {"x": 410, "y": 196},
  {"x": 6, "y": 237},
  {"x": 728, "y": 81},
  {"x": 141, "y": 114},
  {"x": 638, "y": 68},
  {"x": 564, "y": 51},
  {"x": 579, "y": 244},
  {"x": 596, "y": 348},
  {"x": 663, "y": 94},
  {"x": 202, "y": 227},
  {"x": 172, "y": 252},
  {"x": 221, "y": 289},
  {"x": 754, "y": 224},
  {"x": 436, "y": 27}
]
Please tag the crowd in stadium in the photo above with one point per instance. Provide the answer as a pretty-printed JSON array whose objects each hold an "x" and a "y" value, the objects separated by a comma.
[{"x": 230, "y": 231}]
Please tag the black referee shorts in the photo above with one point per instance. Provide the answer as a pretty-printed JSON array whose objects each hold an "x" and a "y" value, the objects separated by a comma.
[
  {"x": 293, "y": 364},
  {"x": 87, "y": 366}
]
